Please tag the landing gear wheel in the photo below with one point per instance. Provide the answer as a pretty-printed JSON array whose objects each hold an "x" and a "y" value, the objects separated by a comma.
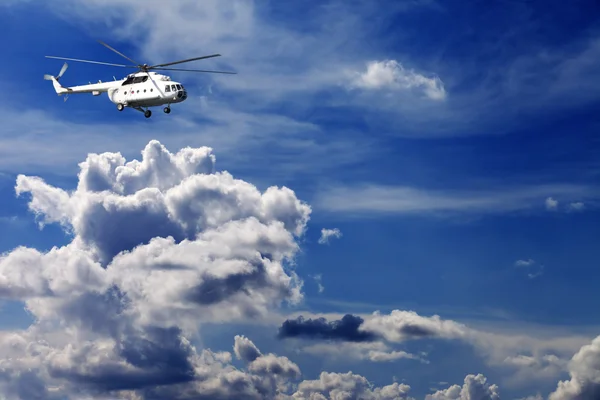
[
  {"x": 120, "y": 107},
  {"x": 167, "y": 110},
  {"x": 148, "y": 113}
]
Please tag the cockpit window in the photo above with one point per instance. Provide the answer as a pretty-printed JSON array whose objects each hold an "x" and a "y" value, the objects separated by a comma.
[
  {"x": 173, "y": 88},
  {"x": 178, "y": 87},
  {"x": 167, "y": 88},
  {"x": 135, "y": 79}
]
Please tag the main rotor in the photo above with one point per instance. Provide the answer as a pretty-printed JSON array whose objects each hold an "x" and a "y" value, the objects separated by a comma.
[{"x": 145, "y": 67}]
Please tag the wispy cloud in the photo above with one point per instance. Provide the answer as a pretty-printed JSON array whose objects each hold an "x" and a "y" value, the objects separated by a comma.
[
  {"x": 327, "y": 234},
  {"x": 319, "y": 281},
  {"x": 577, "y": 206},
  {"x": 533, "y": 268},
  {"x": 410, "y": 200}
]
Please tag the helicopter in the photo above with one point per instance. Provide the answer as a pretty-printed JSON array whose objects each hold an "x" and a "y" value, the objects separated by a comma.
[{"x": 140, "y": 90}]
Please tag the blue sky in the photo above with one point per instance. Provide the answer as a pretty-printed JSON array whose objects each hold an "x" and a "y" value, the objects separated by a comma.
[{"x": 445, "y": 140}]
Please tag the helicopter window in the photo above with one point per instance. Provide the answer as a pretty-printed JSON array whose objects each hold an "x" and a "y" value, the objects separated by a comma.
[
  {"x": 173, "y": 88},
  {"x": 178, "y": 87},
  {"x": 167, "y": 88},
  {"x": 140, "y": 79},
  {"x": 128, "y": 81}
]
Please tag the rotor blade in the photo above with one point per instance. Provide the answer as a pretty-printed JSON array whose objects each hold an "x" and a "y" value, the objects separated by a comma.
[
  {"x": 184, "y": 61},
  {"x": 152, "y": 80},
  {"x": 93, "y": 62},
  {"x": 62, "y": 70},
  {"x": 118, "y": 52},
  {"x": 194, "y": 70}
]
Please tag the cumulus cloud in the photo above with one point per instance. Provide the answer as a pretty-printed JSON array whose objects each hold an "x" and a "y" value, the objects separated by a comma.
[
  {"x": 348, "y": 386},
  {"x": 326, "y": 234},
  {"x": 390, "y": 74},
  {"x": 584, "y": 369},
  {"x": 158, "y": 246},
  {"x": 161, "y": 245},
  {"x": 475, "y": 387}
]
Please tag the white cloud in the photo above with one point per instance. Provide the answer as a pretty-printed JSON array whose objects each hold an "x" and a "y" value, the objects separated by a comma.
[
  {"x": 534, "y": 269},
  {"x": 376, "y": 338},
  {"x": 584, "y": 369},
  {"x": 158, "y": 246},
  {"x": 390, "y": 74},
  {"x": 348, "y": 386},
  {"x": 524, "y": 263},
  {"x": 318, "y": 279},
  {"x": 475, "y": 387},
  {"x": 373, "y": 198},
  {"x": 377, "y": 352},
  {"x": 551, "y": 204},
  {"x": 326, "y": 234},
  {"x": 576, "y": 206},
  {"x": 162, "y": 245}
]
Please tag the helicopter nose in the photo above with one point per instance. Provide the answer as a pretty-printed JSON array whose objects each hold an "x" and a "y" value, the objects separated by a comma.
[{"x": 182, "y": 94}]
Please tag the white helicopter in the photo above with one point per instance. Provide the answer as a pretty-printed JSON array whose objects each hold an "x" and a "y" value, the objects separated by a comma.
[{"x": 139, "y": 90}]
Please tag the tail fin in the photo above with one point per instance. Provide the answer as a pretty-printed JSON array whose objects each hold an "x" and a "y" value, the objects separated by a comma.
[{"x": 57, "y": 86}]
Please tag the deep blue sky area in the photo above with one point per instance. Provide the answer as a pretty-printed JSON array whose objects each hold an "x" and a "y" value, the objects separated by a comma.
[{"x": 475, "y": 147}]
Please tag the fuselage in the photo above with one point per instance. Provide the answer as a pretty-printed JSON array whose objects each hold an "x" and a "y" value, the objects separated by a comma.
[{"x": 137, "y": 90}]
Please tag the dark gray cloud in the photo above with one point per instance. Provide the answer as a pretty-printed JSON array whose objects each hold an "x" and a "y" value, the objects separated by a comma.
[
  {"x": 346, "y": 329},
  {"x": 245, "y": 350}
]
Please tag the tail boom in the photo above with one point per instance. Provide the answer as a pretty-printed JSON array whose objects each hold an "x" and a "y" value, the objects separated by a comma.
[
  {"x": 57, "y": 86},
  {"x": 94, "y": 88}
]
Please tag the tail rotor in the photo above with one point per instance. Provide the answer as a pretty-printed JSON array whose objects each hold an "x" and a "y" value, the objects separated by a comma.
[
  {"x": 60, "y": 74},
  {"x": 57, "y": 86}
]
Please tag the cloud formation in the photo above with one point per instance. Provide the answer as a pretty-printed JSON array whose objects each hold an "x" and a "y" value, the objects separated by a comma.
[
  {"x": 370, "y": 198},
  {"x": 576, "y": 206},
  {"x": 551, "y": 204},
  {"x": 475, "y": 387},
  {"x": 345, "y": 329},
  {"x": 318, "y": 280},
  {"x": 390, "y": 74},
  {"x": 524, "y": 263},
  {"x": 584, "y": 369},
  {"x": 377, "y": 338},
  {"x": 534, "y": 269},
  {"x": 161, "y": 245},
  {"x": 158, "y": 246},
  {"x": 327, "y": 234}
]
